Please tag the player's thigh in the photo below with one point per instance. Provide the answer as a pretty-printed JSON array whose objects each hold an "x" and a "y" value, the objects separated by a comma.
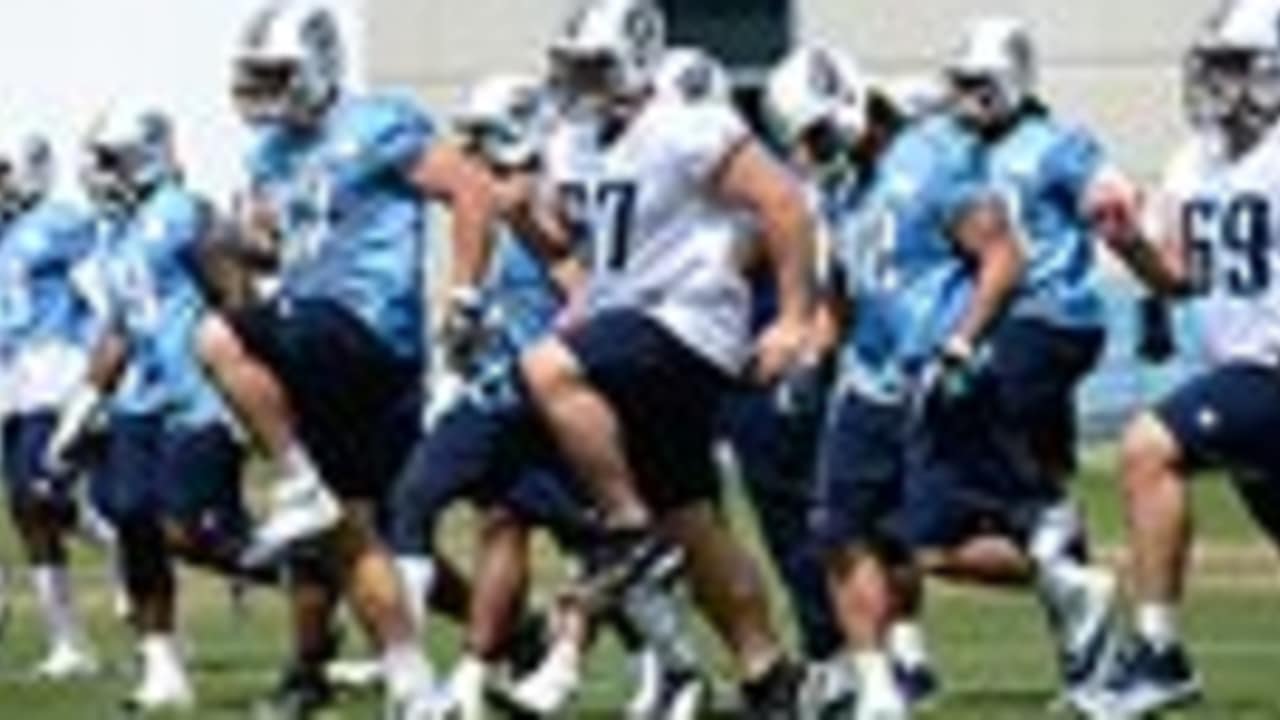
[
  {"x": 860, "y": 474},
  {"x": 127, "y": 482},
  {"x": 201, "y": 472},
  {"x": 666, "y": 397}
]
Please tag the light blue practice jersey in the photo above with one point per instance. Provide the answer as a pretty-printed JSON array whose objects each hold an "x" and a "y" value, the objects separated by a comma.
[
  {"x": 900, "y": 270},
  {"x": 158, "y": 302},
  {"x": 354, "y": 224},
  {"x": 39, "y": 303},
  {"x": 1045, "y": 168}
]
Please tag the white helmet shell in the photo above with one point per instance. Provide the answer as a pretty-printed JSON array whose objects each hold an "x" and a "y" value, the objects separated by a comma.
[
  {"x": 290, "y": 62},
  {"x": 629, "y": 35},
  {"x": 691, "y": 73},
  {"x": 507, "y": 115},
  {"x": 812, "y": 85},
  {"x": 1000, "y": 50},
  {"x": 28, "y": 170},
  {"x": 129, "y": 149}
]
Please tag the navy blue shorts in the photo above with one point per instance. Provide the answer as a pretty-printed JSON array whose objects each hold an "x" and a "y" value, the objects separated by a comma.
[
  {"x": 349, "y": 391},
  {"x": 973, "y": 470},
  {"x": 491, "y": 458},
  {"x": 861, "y": 487},
  {"x": 666, "y": 397},
  {"x": 1037, "y": 368},
  {"x": 1227, "y": 417},
  {"x": 200, "y": 470},
  {"x": 26, "y": 438},
  {"x": 126, "y": 486}
]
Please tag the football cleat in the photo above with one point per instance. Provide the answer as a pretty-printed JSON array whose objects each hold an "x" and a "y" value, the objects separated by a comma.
[
  {"x": 299, "y": 696},
  {"x": 1088, "y": 632},
  {"x": 1148, "y": 681},
  {"x": 668, "y": 694},
  {"x": 301, "y": 509},
  {"x": 829, "y": 691},
  {"x": 919, "y": 684},
  {"x": 552, "y": 686},
  {"x": 66, "y": 662},
  {"x": 162, "y": 690}
]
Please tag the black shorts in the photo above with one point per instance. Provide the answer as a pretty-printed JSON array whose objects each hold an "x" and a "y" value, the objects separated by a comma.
[
  {"x": 1037, "y": 368},
  {"x": 667, "y": 398},
  {"x": 351, "y": 394}
]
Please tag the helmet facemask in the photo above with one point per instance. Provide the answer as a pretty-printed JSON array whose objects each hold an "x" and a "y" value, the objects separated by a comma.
[
  {"x": 26, "y": 174},
  {"x": 1235, "y": 90}
]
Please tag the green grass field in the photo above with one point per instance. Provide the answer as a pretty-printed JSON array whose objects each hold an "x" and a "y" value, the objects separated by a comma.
[{"x": 991, "y": 646}]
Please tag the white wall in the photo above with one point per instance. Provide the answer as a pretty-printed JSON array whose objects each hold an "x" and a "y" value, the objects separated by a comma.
[{"x": 63, "y": 60}]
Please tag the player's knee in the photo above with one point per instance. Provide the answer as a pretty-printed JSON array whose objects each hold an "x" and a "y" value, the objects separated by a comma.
[
  {"x": 546, "y": 368},
  {"x": 1147, "y": 450}
]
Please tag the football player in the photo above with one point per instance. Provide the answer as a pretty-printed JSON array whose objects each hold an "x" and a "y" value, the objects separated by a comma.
[
  {"x": 1061, "y": 186},
  {"x": 659, "y": 185},
  {"x": 1215, "y": 226},
  {"x": 927, "y": 254},
  {"x": 319, "y": 373},
  {"x": 170, "y": 477},
  {"x": 45, "y": 322}
]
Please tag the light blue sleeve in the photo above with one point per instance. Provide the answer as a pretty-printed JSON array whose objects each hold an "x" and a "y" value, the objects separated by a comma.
[
  {"x": 1073, "y": 162},
  {"x": 389, "y": 134}
]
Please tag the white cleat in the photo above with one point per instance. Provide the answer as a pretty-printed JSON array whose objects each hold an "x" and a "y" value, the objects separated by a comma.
[
  {"x": 829, "y": 690},
  {"x": 300, "y": 509},
  {"x": 355, "y": 674},
  {"x": 887, "y": 706},
  {"x": 468, "y": 689},
  {"x": 66, "y": 662},
  {"x": 550, "y": 688},
  {"x": 162, "y": 691},
  {"x": 1090, "y": 635},
  {"x": 425, "y": 703}
]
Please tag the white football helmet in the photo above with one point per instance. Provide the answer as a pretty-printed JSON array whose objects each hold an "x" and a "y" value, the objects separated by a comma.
[
  {"x": 128, "y": 152},
  {"x": 996, "y": 67},
  {"x": 26, "y": 171},
  {"x": 692, "y": 74},
  {"x": 505, "y": 118},
  {"x": 813, "y": 87},
  {"x": 1232, "y": 72},
  {"x": 290, "y": 62},
  {"x": 608, "y": 51}
]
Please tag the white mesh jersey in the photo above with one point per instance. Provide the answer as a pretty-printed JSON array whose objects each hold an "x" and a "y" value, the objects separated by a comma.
[
  {"x": 661, "y": 242},
  {"x": 1229, "y": 220}
]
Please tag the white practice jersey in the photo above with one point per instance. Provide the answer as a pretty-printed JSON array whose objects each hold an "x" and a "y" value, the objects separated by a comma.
[
  {"x": 661, "y": 242},
  {"x": 1229, "y": 215}
]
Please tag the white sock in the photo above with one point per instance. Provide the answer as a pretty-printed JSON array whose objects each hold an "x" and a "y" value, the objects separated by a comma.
[
  {"x": 52, "y": 587},
  {"x": 161, "y": 656},
  {"x": 875, "y": 674},
  {"x": 418, "y": 575},
  {"x": 907, "y": 644},
  {"x": 406, "y": 669},
  {"x": 1157, "y": 624},
  {"x": 295, "y": 464},
  {"x": 565, "y": 655}
]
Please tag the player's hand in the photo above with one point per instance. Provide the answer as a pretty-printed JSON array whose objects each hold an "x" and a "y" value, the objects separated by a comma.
[
  {"x": 802, "y": 389},
  {"x": 779, "y": 349},
  {"x": 73, "y": 425},
  {"x": 464, "y": 330},
  {"x": 949, "y": 378},
  {"x": 1115, "y": 209}
]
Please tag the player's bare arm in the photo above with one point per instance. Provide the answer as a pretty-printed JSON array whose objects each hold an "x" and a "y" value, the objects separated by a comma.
[
  {"x": 985, "y": 234},
  {"x": 447, "y": 173},
  {"x": 750, "y": 177}
]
